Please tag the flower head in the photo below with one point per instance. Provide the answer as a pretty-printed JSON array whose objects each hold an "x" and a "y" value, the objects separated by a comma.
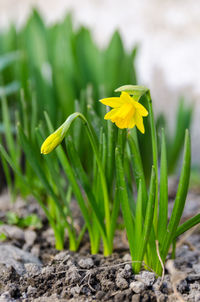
[
  {"x": 127, "y": 112},
  {"x": 52, "y": 141}
]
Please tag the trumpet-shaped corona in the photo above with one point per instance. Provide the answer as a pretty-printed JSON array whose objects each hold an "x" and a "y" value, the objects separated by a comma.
[{"x": 126, "y": 112}]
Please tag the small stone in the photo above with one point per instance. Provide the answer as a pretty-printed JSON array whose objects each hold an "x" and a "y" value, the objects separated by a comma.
[
  {"x": 193, "y": 277},
  {"x": 36, "y": 250},
  {"x": 128, "y": 267},
  {"x": 196, "y": 268},
  {"x": 86, "y": 263},
  {"x": 12, "y": 232},
  {"x": 137, "y": 286},
  {"x": 148, "y": 278},
  {"x": 127, "y": 257},
  {"x": 157, "y": 285},
  {"x": 30, "y": 237},
  {"x": 121, "y": 283},
  {"x": 13, "y": 256}
]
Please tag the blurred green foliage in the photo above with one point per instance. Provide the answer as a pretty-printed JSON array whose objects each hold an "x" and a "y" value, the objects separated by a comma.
[{"x": 59, "y": 69}]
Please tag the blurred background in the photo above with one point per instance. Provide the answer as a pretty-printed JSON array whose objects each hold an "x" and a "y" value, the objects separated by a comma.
[{"x": 167, "y": 34}]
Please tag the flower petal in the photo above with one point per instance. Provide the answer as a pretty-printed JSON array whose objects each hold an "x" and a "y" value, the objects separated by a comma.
[
  {"x": 111, "y": 114},
  {"x": 142, "y": 110},
  {"x": 114, "y": 102},
  {"x": 131, "y": 123},
  {"x": 121, "y": 123},
  {"x": 139, "y": 122},
  {"x": 126, "y": 110},
  {"x": 126, "y": 97}
]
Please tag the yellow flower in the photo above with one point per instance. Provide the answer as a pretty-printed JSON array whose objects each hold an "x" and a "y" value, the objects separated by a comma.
[
  {"x": 127, "y": 112},
  {"x": 52, "y": 141}
]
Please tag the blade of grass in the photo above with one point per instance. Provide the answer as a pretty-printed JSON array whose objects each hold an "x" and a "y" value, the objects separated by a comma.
[
  {"x": 147, "y": 227},
  {"x": 180, "y": 199},
  {"x": 123, "y": 197},
  {"x": 163, "y": 203},
  {"x": 187, "y": 225}
]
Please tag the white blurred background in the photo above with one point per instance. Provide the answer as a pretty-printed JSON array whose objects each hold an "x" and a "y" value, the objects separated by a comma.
[{"x": 167, "y": 32}]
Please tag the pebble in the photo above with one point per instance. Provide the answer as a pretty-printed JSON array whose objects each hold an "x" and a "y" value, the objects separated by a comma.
[
  {"x": 127, "y": 257},
  {"x": 12, "y": 232},
  {"x": 128, "y": 267},
  {"x": 30, "y": 237},
  {"x": 36, "y": 250},
  {"x": 148, "y": 278},
  {"x": 121, "y": 283},
  {"x": 86, "y": 263},
  {"x": 196, "y": 268},
  {"x": 13, "y": 256},
  {"x": 137, "y": 286}
]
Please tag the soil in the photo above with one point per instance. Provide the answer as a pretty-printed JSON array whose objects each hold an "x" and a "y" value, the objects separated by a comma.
[{"x": 32, "y": 270}]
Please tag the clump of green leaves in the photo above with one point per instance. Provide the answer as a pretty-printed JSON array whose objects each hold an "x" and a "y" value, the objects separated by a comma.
[{"x": 146, "y": 216}]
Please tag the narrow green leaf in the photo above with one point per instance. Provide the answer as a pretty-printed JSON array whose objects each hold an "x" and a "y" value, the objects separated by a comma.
[
  {"x": 180, "y": 198},
  {"x": 187, "y": 225},
  {"x": 138, "y": 170},
  {"x": 163, "y": 203},
  {"x": 148, "y": 222},
  {"x": 123, "y": 196}
]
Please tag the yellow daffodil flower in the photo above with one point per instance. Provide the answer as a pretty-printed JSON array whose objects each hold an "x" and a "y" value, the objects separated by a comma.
[
  {"x": 127, "y": 112},
  {"x": 52, "y": 141}
]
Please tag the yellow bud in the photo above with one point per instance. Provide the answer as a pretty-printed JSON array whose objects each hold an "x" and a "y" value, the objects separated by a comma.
[{"x": 52, "y": 141}]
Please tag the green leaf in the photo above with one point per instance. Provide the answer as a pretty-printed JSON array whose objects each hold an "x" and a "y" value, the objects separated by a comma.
[
  {"x": 163, "y": 202},
  {"x": 180, "y": 199},
  {"x": 123, "y": 197},
  {"x": 148, "y": 222},
  {"x": 188, "y": 224},
  {"x": 8, "y": 58}
]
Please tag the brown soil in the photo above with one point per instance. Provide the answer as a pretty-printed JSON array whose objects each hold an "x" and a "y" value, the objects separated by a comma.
[{"x": 66, "y": 276}]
